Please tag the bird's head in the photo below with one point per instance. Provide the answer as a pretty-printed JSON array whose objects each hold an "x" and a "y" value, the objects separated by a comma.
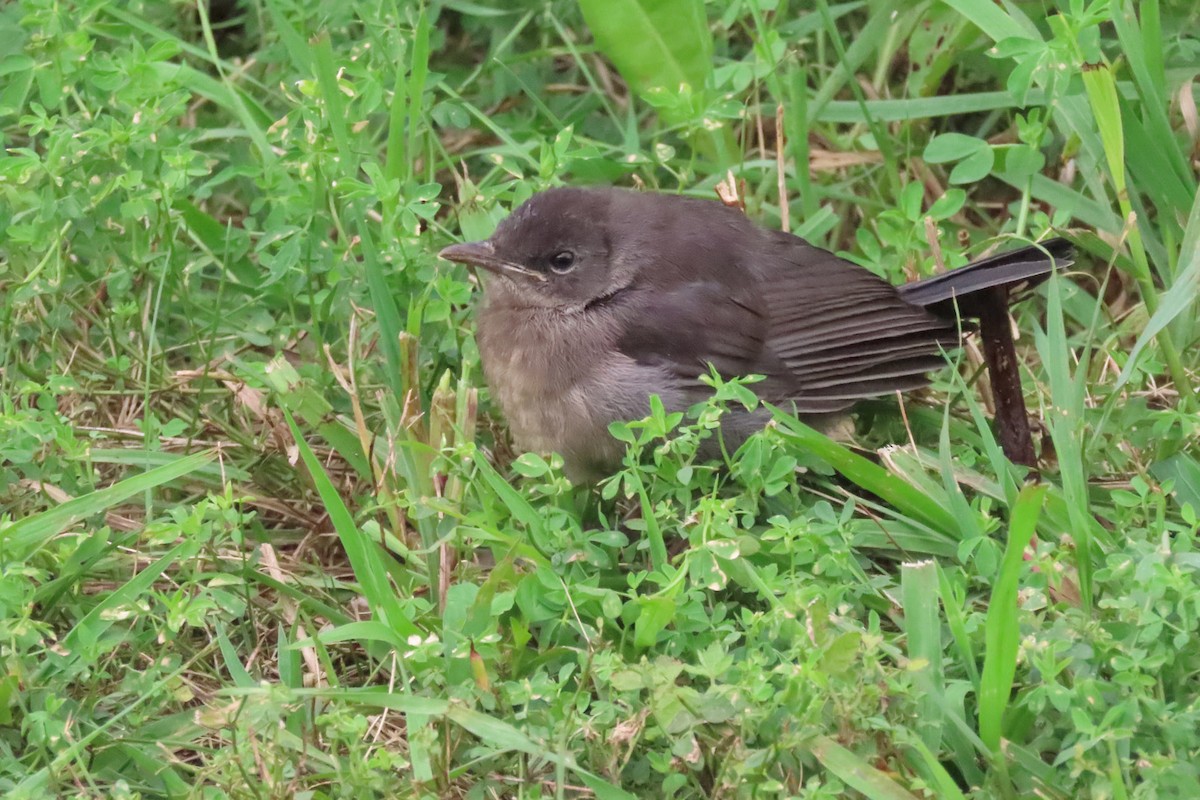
[{"x": 555, "y": 251}]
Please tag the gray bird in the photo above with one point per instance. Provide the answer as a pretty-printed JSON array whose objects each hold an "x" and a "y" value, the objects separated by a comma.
[{"x": 599, "y": 298}]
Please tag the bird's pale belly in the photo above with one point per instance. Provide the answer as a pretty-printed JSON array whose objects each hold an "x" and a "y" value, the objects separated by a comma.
[
  {"x": 559, "y": 394},
  {"x": 561, "y": 413}
]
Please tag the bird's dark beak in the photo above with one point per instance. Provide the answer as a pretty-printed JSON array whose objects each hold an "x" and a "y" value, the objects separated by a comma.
[{"x": 482, "y": 254}]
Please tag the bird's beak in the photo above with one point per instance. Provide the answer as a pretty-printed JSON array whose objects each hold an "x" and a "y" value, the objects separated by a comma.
[{"x": 482, "y": 254}]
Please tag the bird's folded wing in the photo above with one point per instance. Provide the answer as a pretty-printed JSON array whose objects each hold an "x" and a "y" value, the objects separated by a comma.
[
  {"x": 824, "y": 332},
  {"x": 686, "y": 327},
  {"x": 843, "y": 333}
]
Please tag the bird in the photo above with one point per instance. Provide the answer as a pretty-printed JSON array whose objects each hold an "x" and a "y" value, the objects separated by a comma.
[{"x": 597, "y": 298}]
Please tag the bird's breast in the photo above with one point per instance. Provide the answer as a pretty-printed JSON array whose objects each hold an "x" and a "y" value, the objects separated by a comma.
[{"x": 560, "y": 381}]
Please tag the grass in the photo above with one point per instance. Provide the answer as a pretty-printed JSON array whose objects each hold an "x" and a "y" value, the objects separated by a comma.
[{"x": 263, "y": 535}]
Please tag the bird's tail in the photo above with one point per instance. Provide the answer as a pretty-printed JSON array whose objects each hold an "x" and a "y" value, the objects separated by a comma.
[{"x": 1025, "y": 267}]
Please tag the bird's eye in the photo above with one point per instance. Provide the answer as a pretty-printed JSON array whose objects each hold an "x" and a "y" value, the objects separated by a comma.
[{"x": 562, "y": 262}]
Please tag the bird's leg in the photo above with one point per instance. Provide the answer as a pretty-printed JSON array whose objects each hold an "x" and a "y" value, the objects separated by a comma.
[{"x": 1012, "y": 420}]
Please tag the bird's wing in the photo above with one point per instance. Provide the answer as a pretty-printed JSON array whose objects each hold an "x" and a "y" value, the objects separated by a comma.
[
  {"x": 685, "y": 327},
  {"x": 823, "y": 331},
  {"x": 844, "y": 333}
]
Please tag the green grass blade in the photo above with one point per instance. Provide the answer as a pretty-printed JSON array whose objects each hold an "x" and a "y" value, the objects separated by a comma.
[
  {"x": 1141, "y": 43},
  {"x": 33, "y": 532},
  {"x": 366, "y": 557},
  {"x": 521, "y": 509},
  {"x": 1066, "y": 423},
  {"x": 232, "y": 660},
  {"x": 869, "y": 476},
  {"x": 1174, "y": 302},
  {"x": 211, "y": 234},
  {"x": 395, "y": 164},
  {"x": 968, "y": 520},
  {"x": 1067, "y": 199},
  {"x": 383, "y": 300},
  {"x": 857, "y": 773},
  {"x": 101, "y": 617},
  {"x": 915, "y": 108},
  {"x": 866, "y": 43},
  {"x": 367, "y": 630},
  {"x": 415, "y": 95},
  {"x": 1184, "y": 470},
  {"x": 1101, "y": 86},
  {"x": 923, "y": 628},
  {"x": 217, "y": 473},
  {"x": 943, "y": 784},
  {"x": 1003, "y": 632},
  {"x": 331, "y": 94},
  {"x": 297, "y": 49},
  {"x": 953, "y": 596},
  {"x": 992, "y": 19}
]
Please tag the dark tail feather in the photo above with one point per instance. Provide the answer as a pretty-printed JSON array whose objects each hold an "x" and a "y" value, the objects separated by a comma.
[{"x": 1027, "y": 266}]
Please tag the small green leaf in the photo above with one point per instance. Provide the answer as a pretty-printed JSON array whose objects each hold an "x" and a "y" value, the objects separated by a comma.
[
  {"x": 973, "y": 168},
  {"x": 1020, "y": 80},
  {"x": 948, "y": 204},
  {"x": 656, "y": 613},
  {"x": 952, "y": 147},
  {"x": 1023, "y": 161},
  {"x": 530, "y": 465},
  {"x": 910, "y": 200}
]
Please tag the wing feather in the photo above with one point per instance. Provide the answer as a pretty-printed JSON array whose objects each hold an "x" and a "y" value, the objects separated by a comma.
[
  {"x": 843, "y": 332},
  {"x": 824, "y": 331}
]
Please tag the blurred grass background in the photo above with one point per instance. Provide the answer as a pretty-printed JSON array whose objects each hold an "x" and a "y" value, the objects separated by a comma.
[{"x": 262, "y": 535}]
